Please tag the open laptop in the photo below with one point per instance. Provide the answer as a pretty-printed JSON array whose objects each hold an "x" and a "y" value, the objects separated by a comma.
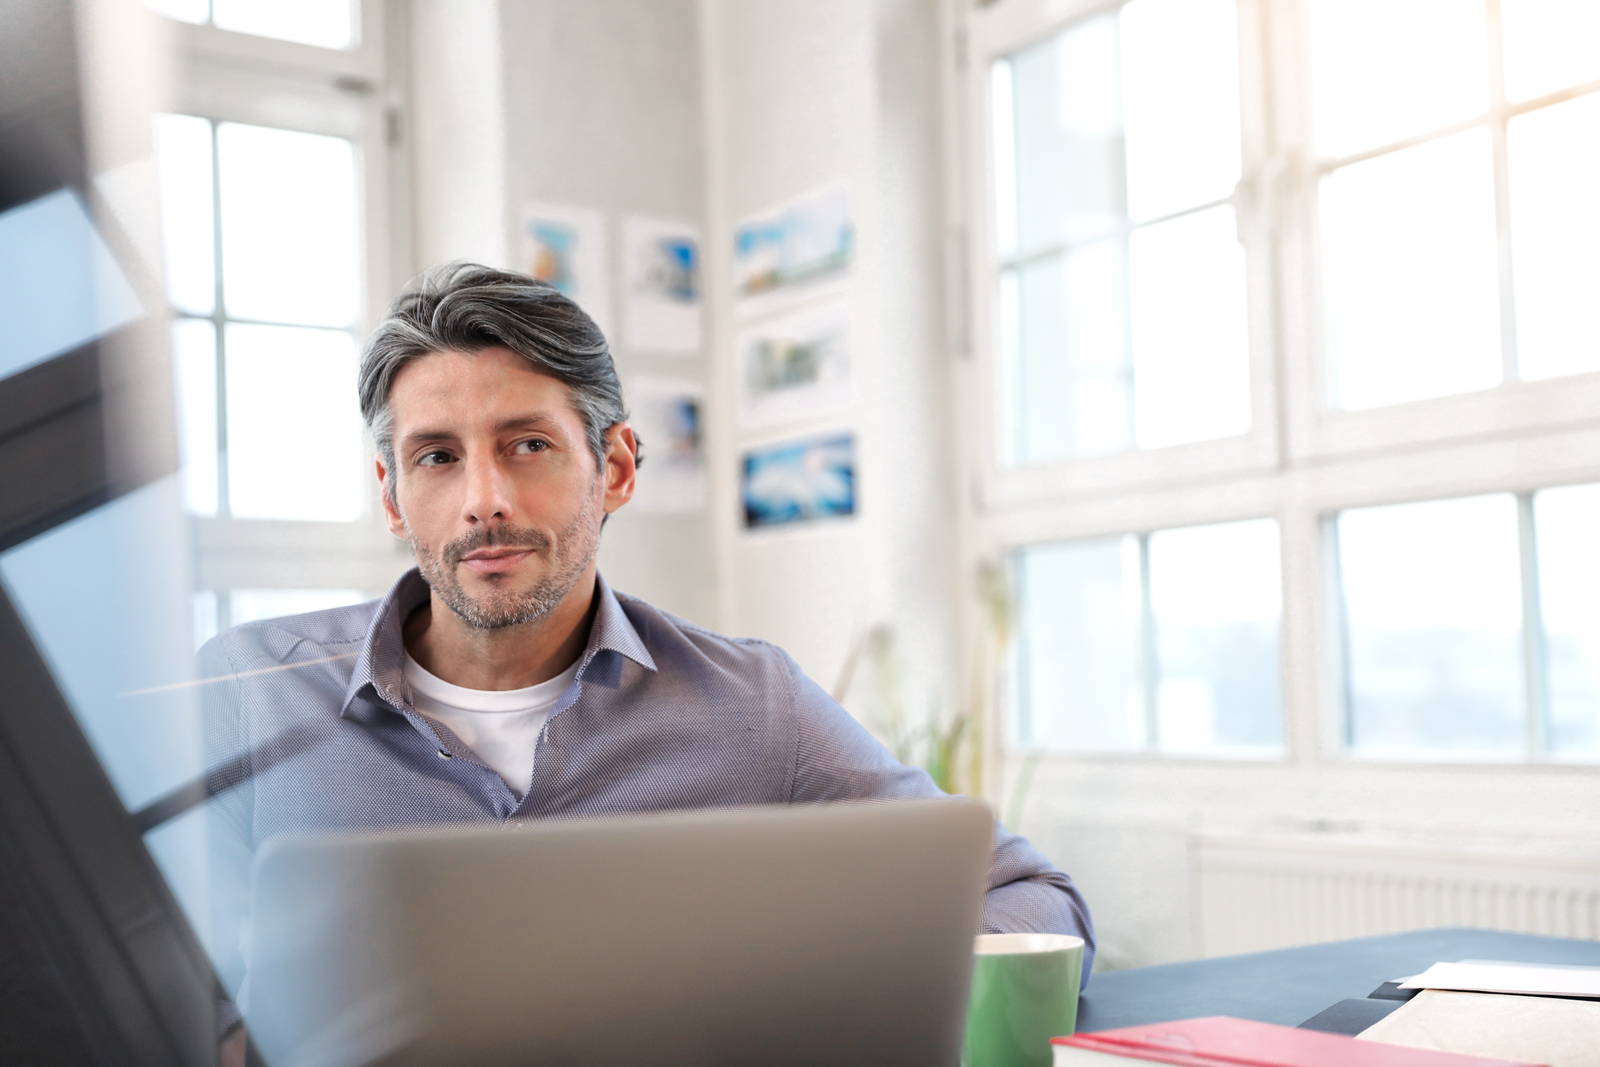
[{"x": 834, "y": 934}]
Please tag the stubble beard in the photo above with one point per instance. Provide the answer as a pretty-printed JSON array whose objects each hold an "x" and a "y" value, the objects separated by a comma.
[{"x": 567, "y": 557}]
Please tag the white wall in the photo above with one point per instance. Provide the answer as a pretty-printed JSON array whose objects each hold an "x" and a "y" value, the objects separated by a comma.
[
  {"x": 802, "y": 95},
  {"x": 458, "y": 133}
]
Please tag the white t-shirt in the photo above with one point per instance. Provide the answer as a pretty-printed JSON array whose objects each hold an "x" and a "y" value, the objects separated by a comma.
[{"x": 500, "y": 726}]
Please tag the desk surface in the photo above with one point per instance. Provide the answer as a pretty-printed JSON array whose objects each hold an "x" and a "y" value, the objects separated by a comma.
[{"x": 1290, "y": 985}]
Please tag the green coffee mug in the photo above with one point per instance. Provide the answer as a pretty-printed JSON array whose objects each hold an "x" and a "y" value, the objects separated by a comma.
[{"x": 1024, "y": 992}]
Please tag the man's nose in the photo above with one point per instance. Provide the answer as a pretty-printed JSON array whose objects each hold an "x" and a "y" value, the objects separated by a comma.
[{"x": 488, "y": 498}]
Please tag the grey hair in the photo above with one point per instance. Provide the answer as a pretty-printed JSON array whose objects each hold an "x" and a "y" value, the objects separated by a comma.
[{"x": 466, "y": 307}]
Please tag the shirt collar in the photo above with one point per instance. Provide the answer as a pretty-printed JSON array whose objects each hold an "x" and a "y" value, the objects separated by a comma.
[{"x": 381, "y": 663}]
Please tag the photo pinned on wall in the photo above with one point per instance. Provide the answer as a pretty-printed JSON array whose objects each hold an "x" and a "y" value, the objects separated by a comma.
[
  {"x": 566, "y": 246},
  {"x": 667, "y": 414},
  {"x": 799, "y": 481},
  {"x": 661, "y": 272},
  {"x": 795, "y": 367},
  {"x": 799, "y": 244}
]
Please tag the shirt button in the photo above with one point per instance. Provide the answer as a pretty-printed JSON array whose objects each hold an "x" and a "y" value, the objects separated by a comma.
[{"x": 445, "y": 755}]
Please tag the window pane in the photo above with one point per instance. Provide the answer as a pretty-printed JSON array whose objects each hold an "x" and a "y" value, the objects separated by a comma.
[
  {"x": 1180, "y": 96},
  {"x": 1410, "y": 273},
  {"x": 1568, "y": 524},
  {"x": 1071, "y": 381},
  {"x": 1191, "y": 359},
  {"x": 251, "y": 605},
  {"x": 1549, "y": 45},
  {"x": 1433, "y": 626},
  {"x": 1075, "y": 384},
  {"x": 288, "y": 226},
  {"x": 183, "y": 169},
  {"x": 1068, "y": 137},
  {"x": 1172, "y": 67},
  {"x": 326, "y": 23},
  {"x": 1388, "y": 69},
  {"x": 1078, "y": 652},
  {"x": 1215, "y": 595},
  {"x": 194, "y": 369},
  {"x": 1555, "y": 236},
  {"x": 1003, "y": 115},
  {"x": 294, "y": 433}
]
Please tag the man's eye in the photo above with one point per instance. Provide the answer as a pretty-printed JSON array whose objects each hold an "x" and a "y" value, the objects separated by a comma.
[
  {"x": 433, "y": 459},
  {"x": 532, "y": 445}
]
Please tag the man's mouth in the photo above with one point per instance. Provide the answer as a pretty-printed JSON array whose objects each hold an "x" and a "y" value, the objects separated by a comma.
[{"x": 497, "y": 560}]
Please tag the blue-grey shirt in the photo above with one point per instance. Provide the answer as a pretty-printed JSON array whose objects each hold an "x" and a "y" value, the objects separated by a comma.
[{"x": 314, "y": 716}]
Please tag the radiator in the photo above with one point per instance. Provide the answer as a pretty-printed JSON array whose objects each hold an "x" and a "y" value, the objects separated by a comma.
[{"x": 1257, "y": 892}]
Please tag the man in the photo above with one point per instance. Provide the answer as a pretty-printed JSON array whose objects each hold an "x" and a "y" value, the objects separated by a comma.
[{"x": 503, "y": 678}]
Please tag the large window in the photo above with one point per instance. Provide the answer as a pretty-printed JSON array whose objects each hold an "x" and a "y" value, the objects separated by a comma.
[
  {"x": 1458, "y": 217},
  {"x": 1332, "y": 262},
  {"x": 1165, "y": 641},
  {"x": 273, "y": 170},
  {"x": 1469, "y": 624},
  {"x": 1122, "y": 282},
  {"x": 263, "y": 271}
]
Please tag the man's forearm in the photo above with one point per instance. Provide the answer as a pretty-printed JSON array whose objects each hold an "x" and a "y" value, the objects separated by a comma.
[{"x": 1028, "y": 895}]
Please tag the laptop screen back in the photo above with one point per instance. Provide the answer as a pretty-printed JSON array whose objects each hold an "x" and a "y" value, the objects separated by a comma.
[{"x": 833, "y": 934}]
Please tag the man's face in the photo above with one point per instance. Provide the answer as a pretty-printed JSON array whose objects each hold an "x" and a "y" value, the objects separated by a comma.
[{"x": 495, "y": 486}]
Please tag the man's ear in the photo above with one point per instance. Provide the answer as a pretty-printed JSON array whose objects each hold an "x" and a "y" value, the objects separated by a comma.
[
  {"x": 391, "y": 514},
  {"x": 621, "y": 466}
]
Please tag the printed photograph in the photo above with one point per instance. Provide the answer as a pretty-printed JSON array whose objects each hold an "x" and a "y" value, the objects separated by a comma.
[
  {"x": 807, "y": 240},
  {"x": 795, "y": 367},
  {"x": 566, "y": 246},
  {"x": 667, "y": 413},
  {"x": 661, "y": 267},
  {"x": 798, "y": 481}
]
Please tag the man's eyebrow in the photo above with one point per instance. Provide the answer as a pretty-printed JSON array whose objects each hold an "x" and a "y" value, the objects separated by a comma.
[
  {"x": 533, "y": 421},
  {"x": 423, "y": 437}
]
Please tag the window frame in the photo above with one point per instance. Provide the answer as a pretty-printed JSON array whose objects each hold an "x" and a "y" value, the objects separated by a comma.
[
  {"x": 1148, "y": 671},
  {"x": 1316, "y": 428},
  {"x": 1003, "y": 29},
  {"x": 226, "y": 76},
  {"x": 1304, "y": 461}
]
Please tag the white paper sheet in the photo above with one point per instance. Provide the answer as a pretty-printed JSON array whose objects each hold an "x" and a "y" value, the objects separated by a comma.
[
  {"x": 1548, "y": 1030},
  {"x": 1492, "y": 976}
]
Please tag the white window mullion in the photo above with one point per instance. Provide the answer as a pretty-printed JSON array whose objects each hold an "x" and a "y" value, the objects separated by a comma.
[
  {"x": 219, "y": 321},
  {"x": 1502, "y": 193},
  {"x": 1535, "y": 654}
]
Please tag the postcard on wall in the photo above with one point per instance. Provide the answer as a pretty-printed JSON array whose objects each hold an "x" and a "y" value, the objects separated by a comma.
[
  {"x": 798, "y": 481},
  {"x": 807, "y": 241},
  {"x": 667, "y": 414},
  {"x": 795, "y": 367},
  {"x": 566, "y": 246},
  {"x": 661, "y": 278}
]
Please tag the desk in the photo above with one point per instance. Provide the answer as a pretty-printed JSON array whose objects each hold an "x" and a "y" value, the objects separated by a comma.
[{"x": 1291, "y": 985}]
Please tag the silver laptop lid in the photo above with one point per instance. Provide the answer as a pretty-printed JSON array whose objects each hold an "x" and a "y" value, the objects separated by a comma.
[{"x": 830, "y": 934}]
